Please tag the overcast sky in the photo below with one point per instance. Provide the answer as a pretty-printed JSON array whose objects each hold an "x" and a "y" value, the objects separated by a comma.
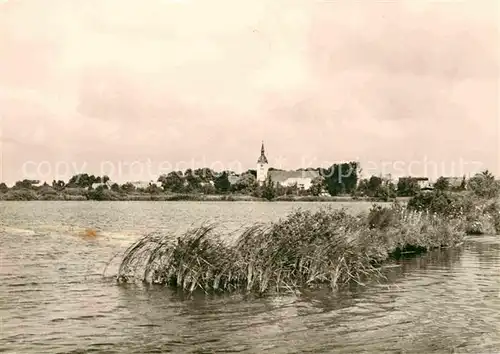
[{"x": 102, "y": 84}]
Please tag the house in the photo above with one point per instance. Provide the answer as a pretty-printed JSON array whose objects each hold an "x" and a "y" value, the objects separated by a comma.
[
  {"x": 145, "y": 184},
  {"x": 423, "y": 182},
  {"x": 209, "y": 183},
  {"x": 233, "y": 178},
  {"x": 108, "y": 184},
  {"x": 302, "y": 178},
  {"x": 37, "y": 183},
  {"x": 454, "y": 182}
]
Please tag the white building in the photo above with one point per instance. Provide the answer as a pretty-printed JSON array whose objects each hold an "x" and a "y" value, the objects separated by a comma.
[
  {"x": 37, "y": 183},
  {"x": 108, "y": 184},
  {"x": 233, "y": 178},
  {"x": 145, "y": 184},
  {"x": 303, "y": 178},
  {"x": 424, "y": 183}
]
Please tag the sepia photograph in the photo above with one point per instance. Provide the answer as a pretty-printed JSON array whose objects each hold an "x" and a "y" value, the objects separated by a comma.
[{"x": 249, "y": 176}]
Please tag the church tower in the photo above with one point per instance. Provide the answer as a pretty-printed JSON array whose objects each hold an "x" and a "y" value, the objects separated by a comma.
[{"x": 262, "y": 166}]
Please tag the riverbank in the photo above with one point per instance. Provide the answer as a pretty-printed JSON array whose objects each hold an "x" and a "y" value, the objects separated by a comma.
[{"x": 81, "y": 194}]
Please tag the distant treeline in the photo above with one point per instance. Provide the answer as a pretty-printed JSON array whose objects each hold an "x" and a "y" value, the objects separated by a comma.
[{"x": 337, "y": 180}]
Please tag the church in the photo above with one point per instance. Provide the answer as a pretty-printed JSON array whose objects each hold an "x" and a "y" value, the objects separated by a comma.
[{"x": 302, "y": 178}]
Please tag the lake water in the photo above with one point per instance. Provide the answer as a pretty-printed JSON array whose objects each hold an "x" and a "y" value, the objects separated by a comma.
[{"x": 54, "y": 298}]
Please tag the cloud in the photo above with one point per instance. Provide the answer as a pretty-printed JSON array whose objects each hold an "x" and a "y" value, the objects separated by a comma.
[{"x": 109, "y": 80}]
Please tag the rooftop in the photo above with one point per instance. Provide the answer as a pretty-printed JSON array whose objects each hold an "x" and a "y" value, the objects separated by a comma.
[
  {"x": 282, "y": 176},
  {"x": 262, "y": 157}
]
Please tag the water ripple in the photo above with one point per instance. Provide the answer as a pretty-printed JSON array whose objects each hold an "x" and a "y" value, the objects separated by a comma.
[{"x": 54, "y": 299}]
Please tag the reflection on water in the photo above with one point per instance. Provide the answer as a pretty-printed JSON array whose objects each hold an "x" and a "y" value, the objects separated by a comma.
[{"x": 55, "y": 300}]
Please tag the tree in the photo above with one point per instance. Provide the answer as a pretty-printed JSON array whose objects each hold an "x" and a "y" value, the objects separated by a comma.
[
  {"x": 128, "y": 187},
  {"x": 362, "y": 188},
  {"x": 407, "y": 187},
  {"x": 279, "y": 190},
  {"x": 96, "y": 194},
  {"x": 153, "y": 189},
  {"x": 377, "y": 187},
  {"x": 221, "y": 183},
  {"x": 316, "y": 186},
  {"x": 3, "y": 188},
  {"x": 204, "y": 174},
  {"x": 370, "y": 187},
  {"x": 341, "y": 178},
  {"x": 173, "y": 182},
  {"x": 374, "y": 183},
  {"x": 442, "y": 184},
  {"x": 245, "y": 184},
  {"x": 386, "y": 191},
  {"x": 25, "y": 184},
  {"x": 463, "y": 185},
  {"x": 82, "y": 180},
  {"x": 487, "y": 175},
  {"x": 47, "y": 192},
  {"x": 484, "y": 185},
  {"x": 268, "y": 191},
  {"x": 115, "y": 187},
  {"x": 207, "y": 188},
  {"x": 193, "y": 181},
  {"x": 58, "y": 185}
]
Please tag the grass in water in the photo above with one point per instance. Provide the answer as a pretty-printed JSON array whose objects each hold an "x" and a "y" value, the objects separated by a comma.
[{"x": 305, "y": 249}]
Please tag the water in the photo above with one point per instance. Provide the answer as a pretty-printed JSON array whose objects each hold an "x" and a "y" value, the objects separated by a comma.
[{"x": 54, "y": 298}]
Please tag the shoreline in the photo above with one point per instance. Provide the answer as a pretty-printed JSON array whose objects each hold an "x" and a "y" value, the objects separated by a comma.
[{"x": 30, "y": 195}]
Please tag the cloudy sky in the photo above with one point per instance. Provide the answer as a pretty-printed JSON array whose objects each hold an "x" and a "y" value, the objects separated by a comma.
[{"x": 133, "y": 88}]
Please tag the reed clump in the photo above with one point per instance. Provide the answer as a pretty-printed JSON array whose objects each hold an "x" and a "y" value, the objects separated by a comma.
[
  {"x": 197, "y": 260},
  {"x": 305, "y": 249},
  {"x": 479, "y": 215}
]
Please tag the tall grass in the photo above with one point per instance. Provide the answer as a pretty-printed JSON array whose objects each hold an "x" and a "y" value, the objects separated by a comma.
[
  {"x": 479, "y": 215},
  {"x": 305, "y": 249},
  {"x": 198, "y": 259}
]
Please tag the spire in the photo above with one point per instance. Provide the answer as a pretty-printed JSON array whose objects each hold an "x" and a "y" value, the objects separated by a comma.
[{"x": 262, "y": 158}]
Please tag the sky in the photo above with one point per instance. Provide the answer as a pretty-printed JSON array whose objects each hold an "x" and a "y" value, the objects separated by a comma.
[{"x": 134, "y": 89}]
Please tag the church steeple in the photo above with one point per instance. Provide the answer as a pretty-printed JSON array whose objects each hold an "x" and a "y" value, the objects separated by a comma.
[
  {"x": 262, "y": 159},
  {"x": 262, "y": 166}
]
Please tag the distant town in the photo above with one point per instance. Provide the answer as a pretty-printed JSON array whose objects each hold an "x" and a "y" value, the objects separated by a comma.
[{"x": 264, "y": 183}]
